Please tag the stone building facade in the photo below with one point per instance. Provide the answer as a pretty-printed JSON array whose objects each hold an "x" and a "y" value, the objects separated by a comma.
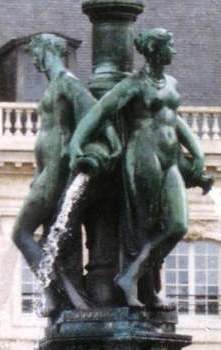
[{"x": 195, "y": 266}]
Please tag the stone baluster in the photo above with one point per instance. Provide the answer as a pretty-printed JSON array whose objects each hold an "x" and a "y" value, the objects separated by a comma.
[
  {"x": 38, "y": 123},
  {"x": 215, "y": 127},
  {"x": 18, "y": 122},
  {"x": 192, "y": 305},
  {"x": 1, "y": 122},
  {"x": 7, "y": 123},
  {"x": 219, "y": 307},
  {"x": 29, "y": 124},
  {"x": 185, "y": 117},
  {"x": 195, "y": 126},
  {"x": 205, "y": 127}
]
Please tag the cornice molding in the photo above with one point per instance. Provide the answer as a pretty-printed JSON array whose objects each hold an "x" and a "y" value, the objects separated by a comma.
[
  {"x": 204, "y": 230},
  {"x": 17, "y": 167}
]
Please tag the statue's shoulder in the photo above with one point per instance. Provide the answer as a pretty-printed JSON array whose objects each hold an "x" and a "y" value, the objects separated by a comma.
[
  {"x": 69, "y": 78},
  {"x": 142, "y": 76},
  {"x": 132, "y": 82},
  {"x": 171, "y": 79},
  {"x": 71, "y": 84},
  {"x": 135, "y": 76}
]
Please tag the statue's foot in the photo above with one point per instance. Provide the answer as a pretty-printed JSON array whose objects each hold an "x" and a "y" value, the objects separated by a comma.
[
  {"x": 49, "y": 305},
  {"x": 158, "y": 304},
  {"x": 130, "y": 290},
  {"x": 75, "y": 297}
]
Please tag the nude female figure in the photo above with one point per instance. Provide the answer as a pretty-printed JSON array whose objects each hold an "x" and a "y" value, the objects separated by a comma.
[
  {"x": 64, "y": 103},
  {"x": 155, "y": 195}
]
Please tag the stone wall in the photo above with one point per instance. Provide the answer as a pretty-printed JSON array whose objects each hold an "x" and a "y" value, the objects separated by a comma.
[
  {"x": 196, "y": 26},
  {"x": 25, "y": 17}
]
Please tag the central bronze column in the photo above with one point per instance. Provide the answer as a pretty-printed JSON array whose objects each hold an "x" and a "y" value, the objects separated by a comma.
[
  {"x": 112, "y": 58},
  {"x": 112, "y": 40}
]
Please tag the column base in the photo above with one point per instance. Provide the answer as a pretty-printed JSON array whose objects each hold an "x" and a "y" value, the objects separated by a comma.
[{"x": 119, "y": 328}]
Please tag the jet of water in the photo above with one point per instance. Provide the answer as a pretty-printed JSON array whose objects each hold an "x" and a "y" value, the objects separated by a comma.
[{"x": 59, "y": 229}]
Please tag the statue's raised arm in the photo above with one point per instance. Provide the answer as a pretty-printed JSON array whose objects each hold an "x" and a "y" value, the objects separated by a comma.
[{"x": 112, "y": 102}]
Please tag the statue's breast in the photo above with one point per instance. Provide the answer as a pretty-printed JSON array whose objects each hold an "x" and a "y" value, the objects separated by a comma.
[
  {"x": 46, "y": 104},
  {"x": 172, "y": 98},
  {"x": 156, "y": 98}
]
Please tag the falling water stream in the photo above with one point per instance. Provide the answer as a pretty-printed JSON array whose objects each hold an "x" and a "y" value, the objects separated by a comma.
[{"x": 59, "y": 229}]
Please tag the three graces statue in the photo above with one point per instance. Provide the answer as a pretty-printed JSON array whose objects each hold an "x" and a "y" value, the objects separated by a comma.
[{"x": 119, "y": 165}]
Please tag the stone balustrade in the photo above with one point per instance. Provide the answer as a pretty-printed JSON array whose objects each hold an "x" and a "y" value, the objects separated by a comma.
[
  {"x": 19, "y": 124},
  {"x": 204, "y": 121},
  {"x": 18, "y": 119}
]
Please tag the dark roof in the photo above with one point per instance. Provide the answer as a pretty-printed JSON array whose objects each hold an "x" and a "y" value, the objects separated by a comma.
[
  {"x": 13, "y": 43},
  {"x": 196, "y": 26}
]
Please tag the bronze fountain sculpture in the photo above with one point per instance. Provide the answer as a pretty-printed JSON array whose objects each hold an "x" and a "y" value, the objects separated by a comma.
[
  {"x": 150, "y": 160},
  {"x": 116, "y": 165},
  {"x": 64, "y": 103}
]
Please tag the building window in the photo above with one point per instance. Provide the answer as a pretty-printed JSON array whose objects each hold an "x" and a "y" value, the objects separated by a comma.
[
  {"x": 30, "y": 289},
  {"x": 192, "y": 278}
]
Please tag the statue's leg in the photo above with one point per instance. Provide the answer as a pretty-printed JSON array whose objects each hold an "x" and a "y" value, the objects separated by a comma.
[
  {"x": 33, "y": 214},
  {"x": 175, "y": 212},
  {"x": 145, "y": 178}
]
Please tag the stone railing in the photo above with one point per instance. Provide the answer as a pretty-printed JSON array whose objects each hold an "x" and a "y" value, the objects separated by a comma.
[
  {"x": 19, "y": 124},
  {"x": 204, "y": 121}
]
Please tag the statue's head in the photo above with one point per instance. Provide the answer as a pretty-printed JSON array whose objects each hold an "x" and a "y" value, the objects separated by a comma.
[
  {"x": 156, "y": 45},
  {"x": 41, "y": 44}
]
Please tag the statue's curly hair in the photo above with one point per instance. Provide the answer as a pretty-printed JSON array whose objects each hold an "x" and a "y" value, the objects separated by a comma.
[
  {"x": 149, "y": 40},
  {"x": 49, "y": 42}
]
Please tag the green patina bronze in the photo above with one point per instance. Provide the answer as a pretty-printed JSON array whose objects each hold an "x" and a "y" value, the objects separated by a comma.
[
  {"x": 125, "y": 132},
  {"x": 64, "y": 103},
  {"x": 112, "y": 37},
  {"x": 154, "y": 208}
]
